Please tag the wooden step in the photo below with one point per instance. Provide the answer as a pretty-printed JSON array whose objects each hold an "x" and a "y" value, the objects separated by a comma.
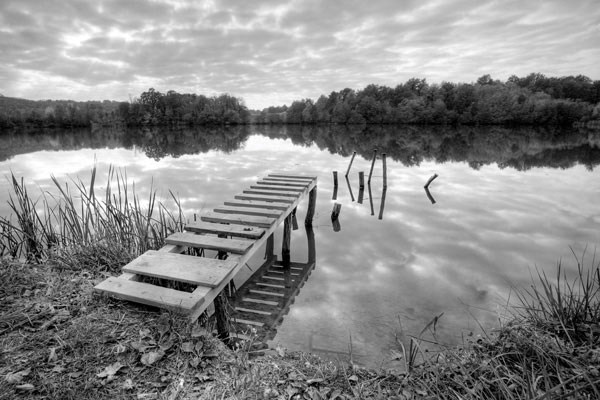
[
  {"x": 260, "y": 301},
  {"x": 283, "y": 183},
  {"x": 181, "y": 268},
  {"x": 191, "y": 239},
  {"x": 263, "y": 222},
  {"x": 279, "y": 188},
  {"x": 271, "y": 193},
  {"x": 285, "y": 175},
  {"x": 253, "y": 311},
  {"x": 247, "y": 322},
  {"x": 152, "y": 295},
  {"x": 288, "y": 180},
  {"x": 257, "y": 204},
  {"x": 256, "y": 197},
  {"x": 225, "y": 229},
  {"x": 248, "y": 211}
]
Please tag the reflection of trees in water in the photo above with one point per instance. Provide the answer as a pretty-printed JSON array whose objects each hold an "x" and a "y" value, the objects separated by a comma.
[
  {"x": 158, "y": 142},
  {"x": 519, "y": 148}
]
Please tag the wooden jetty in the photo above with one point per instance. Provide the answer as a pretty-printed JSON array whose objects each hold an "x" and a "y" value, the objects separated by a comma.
[
  {"x": 235, "y": 230},
  {"x": 262, "y": 302}
]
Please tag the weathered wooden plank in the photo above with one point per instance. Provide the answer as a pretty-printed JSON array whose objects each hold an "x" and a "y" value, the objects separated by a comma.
[
  {"x": 271, "y": 193},
  {"x": 263, "y": 222},
  {"x": 225, "y": 229},
  {"x": 248, "y": 211},
  {"x": 284, "y": 183},
  {"x": 151, "y": 295},
  {"x": 280, "y": 188},
  {"x": 182, "y": 268},
  {"x": 257, "y": 204},
  {"x": 191, "y": 239},
  {"x": 256, "y": 197},
  {"x": 292, "y": 176},
  {"x": 288, "y": 180}
]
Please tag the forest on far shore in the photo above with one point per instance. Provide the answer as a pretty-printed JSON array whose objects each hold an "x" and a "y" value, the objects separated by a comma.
[{"x": 534, "y": 100}]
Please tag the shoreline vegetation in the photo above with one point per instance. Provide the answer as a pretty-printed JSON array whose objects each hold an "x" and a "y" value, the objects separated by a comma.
[
  {"x": 59, "y": 340},
  {"x": 534, "y": 100}
]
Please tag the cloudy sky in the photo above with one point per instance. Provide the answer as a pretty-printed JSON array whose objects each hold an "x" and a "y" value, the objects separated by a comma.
[{"x": 272, "y": 52}]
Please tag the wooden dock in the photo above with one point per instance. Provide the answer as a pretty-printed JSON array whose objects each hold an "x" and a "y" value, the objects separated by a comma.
[{"x": 235, "y": 230}]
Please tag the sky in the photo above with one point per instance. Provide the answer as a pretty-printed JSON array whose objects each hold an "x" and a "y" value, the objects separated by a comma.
[{"x": 272, "y": 52}]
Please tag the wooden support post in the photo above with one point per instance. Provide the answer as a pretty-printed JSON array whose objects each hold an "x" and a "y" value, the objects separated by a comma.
[
  {"x": 312, "y": 203},
  {"x": 270, "y": 247},
  {"x": 350, "y": 165},
  {"x": 294, "y": 220},
  {"x": 384, "y": 171},
  {"x": 285, "y": 243},
  {"x": 335, "y": 180},
  {"x": 371, "y": 199},
  {"x": 361, "y": 180},
  {"x": 220, "y": 304},
  {"x": 372, "y": 165},
  {"x": 310, "y": 238}
]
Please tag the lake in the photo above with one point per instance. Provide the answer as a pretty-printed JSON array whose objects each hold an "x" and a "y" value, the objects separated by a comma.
[{"x": 505, "y": 202}]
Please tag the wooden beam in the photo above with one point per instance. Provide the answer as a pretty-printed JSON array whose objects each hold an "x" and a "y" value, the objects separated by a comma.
[
  {"x": 257, "y": 204},
  {"x": 257, "y": 197},
  {"x": 191, "y": 239},
  {"x": 230, "y": 230},
  {"x": 248, "y": 211},
  {"x": 262, "y": 222}
]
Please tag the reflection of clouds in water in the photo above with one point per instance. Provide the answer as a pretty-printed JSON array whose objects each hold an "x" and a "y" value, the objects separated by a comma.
[{"x": 487, "y": 229}]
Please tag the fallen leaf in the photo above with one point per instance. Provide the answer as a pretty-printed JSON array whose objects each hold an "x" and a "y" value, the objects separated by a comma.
[
  {"x": 353, "y": 378},
  {"x": 199, "y": 346},
  {"x": 128, "y": 384},
  {"x": 145, "y": 333},
  {"x": 198, "y": 331},
  {"x": 28, "y": 387},
  {"x": 152, "y": 357},
  {"x": 110, "y": 370},
  {"x": 16, "y": 377},
  {"x": 188, "y": 347},
  {"x": 194, "y": 362}
]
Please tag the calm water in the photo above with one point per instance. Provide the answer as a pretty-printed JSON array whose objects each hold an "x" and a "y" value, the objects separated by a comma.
[{"x": 506, "y": 202}]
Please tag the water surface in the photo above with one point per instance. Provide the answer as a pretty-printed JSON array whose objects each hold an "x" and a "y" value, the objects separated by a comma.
[{"x": 506, "y": 202}]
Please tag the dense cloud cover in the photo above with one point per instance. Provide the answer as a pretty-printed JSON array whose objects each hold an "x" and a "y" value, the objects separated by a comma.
[{"x": 272, "y": 52}]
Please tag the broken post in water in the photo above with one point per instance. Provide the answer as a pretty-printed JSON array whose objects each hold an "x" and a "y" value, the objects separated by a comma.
[
  {"x": 371, "y": 199},
  {"x": 372, "y": 165},
  {"x": 335, "y": 214},
  {"x": 383, "y": 193},
  {"x": 361, "y": 180},
  {"x": 430, "y": 180},
  {"x": 335, "y": 185},
  {"x": 350, "y": 165},
  {"x": 429, "y": 196}
]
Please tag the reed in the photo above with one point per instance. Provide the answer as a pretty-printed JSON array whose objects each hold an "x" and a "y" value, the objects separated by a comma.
[{"x": 74, "y": 224}]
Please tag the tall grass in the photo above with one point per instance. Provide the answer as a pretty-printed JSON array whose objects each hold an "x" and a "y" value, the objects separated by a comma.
[{"x": 77, "y": 225}]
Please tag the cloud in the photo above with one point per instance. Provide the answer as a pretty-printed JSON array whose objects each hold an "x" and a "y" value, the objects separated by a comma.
[{"x": 274, "y": 52}]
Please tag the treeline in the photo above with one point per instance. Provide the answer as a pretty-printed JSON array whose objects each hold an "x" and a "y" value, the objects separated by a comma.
[{"x": 531, "y": 100}]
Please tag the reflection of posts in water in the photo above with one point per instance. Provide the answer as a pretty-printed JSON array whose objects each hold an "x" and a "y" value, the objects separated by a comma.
[
  {"x": 270, "y": 248},
  {"x": 312, "y": 203},
  {"x": 429, "y": 196},
  {"x": 335, "y": 214},
  {"x": 371, "y": 199},
  {"x": 350, "y": 188},
  {"x": 430, "y": 180},
  {"x": 372, "y": 165},
  {"x": 285, "y": 244},
  {"x": 335, "y": 185},
  {"x": 382, "y": 203},
  {"x": 350, "y": 165},
  {"x": 312, "y": 250}
]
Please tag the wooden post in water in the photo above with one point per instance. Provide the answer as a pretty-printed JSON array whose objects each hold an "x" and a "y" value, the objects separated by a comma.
[
  {"x": 350, "y": 188},
  {"x": 335, "y": 214},
  {"x": 361, "y": 180},
  {"x": 430, "y": 180},
  {"x": 285, "y": 244},
  {"x": 384, "y": 171},
  {"x": 312, "y": 203},
  {"x": 335, "y": 185},
  {"x": 371, "y": 199},
  {"x": 350, "y": 165},
  {"x": 383, "y": 193},
  {"x": 372, "y": 165}
]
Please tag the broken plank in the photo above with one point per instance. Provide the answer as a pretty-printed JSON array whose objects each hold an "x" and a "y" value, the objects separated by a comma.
[
  {"x": 191, "y": 239},
  {"x": 248, "y": 211},
  {"x": 257, "y": 197},
  {"x": 181, "y": 268},
  {"x": 152, "y": 295},
  {"x": 271, "y": 193},
  {"x": 225, "y": 229},
  {"x": 257, "y": 204},
  {"x": 263, "y": 222},
  {"x": 281, "y": 188}
]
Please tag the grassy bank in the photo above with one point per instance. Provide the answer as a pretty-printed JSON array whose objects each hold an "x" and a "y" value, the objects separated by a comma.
[{"x": 59, "y": 340}]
